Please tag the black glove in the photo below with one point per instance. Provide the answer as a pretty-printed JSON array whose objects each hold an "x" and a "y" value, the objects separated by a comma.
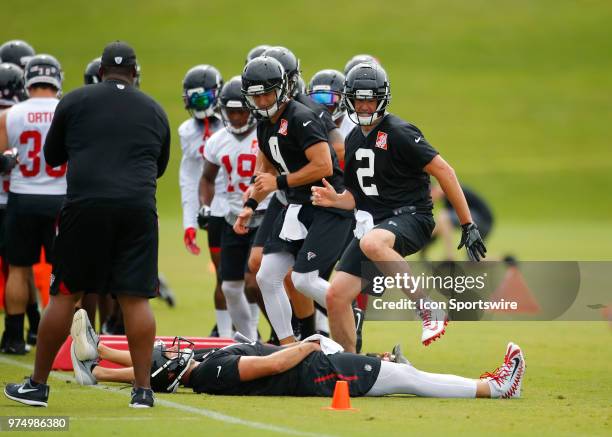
[
  {"x": 471, "y": 239},
  {"x": 203, "y": 216}
]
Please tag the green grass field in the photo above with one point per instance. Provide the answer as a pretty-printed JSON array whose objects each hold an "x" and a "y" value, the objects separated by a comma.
[{"x": 514, "y": 95}]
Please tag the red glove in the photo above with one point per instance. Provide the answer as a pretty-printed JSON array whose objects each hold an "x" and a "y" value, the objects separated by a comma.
[{"x": 190, "y": 241}]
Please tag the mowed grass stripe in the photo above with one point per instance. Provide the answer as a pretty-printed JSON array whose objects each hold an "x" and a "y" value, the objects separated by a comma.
[{"x": 186, "y": 408}]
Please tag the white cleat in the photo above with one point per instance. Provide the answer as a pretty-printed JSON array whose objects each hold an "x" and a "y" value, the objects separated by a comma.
[
  {"x": 434, "y": 325},
  {"x": 84, "y": 337},
  {"x": 82, "y": 369},
  {"x": 505, "y": 381}
]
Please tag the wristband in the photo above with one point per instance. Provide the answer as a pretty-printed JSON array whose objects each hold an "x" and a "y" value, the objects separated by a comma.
[
  {"x": 251, "y": 203},
  {"x": 281, "y": 182}
]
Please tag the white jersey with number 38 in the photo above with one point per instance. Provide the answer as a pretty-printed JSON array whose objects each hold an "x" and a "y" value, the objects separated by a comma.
[
  {"x": 236, "y": 156},
  {"x": 27, "y": 124}
]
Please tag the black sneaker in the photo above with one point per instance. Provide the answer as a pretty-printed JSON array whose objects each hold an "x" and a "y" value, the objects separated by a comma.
[
  {"x": 27, "y": 393},
  {"x": 142, "y": 398},
  {"x": 359, "y": 317},
  {"x": 165, "y": 292},
  {"x": 214, "y": 332},
  {"x": 15, "y": 347},
  {"x": 31, "y": 337}
]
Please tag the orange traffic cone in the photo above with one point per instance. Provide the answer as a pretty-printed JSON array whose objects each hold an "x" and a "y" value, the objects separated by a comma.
[
  {"x": 514, "y": 288},
  {"x": 341, "y": 399}
]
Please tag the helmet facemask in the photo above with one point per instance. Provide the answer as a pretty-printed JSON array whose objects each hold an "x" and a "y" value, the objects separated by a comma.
[
  {"x": 236, "y": 105},
  {"x": 256, "y": 90},
  {"x": 367, "y": 94},
  {"x": 201, "y": 103},
  {"x": 169, "y": 365}
]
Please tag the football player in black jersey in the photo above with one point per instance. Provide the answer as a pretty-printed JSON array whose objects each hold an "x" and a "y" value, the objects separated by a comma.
[
  {"x": 294, "y": 154},
  {"x": 301, "y": 369},
  {"x": 387, "y": 168},
  {"x": 291, "y": 64}
]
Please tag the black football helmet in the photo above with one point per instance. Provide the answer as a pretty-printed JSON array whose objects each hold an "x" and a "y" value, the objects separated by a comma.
[
  {"x": 11, "y": 85},
  {"x": 169, "y": 365},
  {"x": 92, "y": 72},
  {"x": 261, "y": 76},
  {"x": 255, "y": 52},
  {"x": 358, "y": 59},
  {"x": 326, "y": 88},
  {"x": 231, "y": 98},
  {"x": 366, "y": 81},
  {"x": 290, "y": 63},
  {"x": 201, "y": 87},
  {"x": 44, "y": 69},
  {"x": 16, "y": 52}
]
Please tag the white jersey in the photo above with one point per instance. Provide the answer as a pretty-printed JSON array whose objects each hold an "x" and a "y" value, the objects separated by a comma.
[
  {"x": 27, "y": 124},
  {"x": 236, "y": 157},
  {"x": 346, "y": 126},
  {"x": 5, "y": 180},
  {"x": 193, "y": 143}
]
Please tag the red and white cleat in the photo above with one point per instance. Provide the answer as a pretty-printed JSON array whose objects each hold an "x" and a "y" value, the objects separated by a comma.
[
  {"x": 434, "y": 325},
  {"x": 505, "y": 381}
]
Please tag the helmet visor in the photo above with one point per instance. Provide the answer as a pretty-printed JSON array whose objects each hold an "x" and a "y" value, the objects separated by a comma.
[
  {"x": 326, "y": 98},
  {"x": 200, "y": 99}
]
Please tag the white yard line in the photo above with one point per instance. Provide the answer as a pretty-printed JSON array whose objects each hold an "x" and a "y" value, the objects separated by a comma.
[{"x": 170, "y": 404}]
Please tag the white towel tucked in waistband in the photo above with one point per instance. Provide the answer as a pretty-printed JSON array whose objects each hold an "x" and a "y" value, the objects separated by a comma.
[
  {"x": 293, "y": 229},
  {"x": 365, "y": 222}
]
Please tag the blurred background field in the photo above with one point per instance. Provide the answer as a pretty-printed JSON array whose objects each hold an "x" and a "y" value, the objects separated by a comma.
[{"x": 516, "y": 96}]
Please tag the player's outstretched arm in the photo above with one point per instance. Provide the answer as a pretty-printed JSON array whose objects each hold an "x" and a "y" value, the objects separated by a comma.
[
  {"x": 449, "y": 183},
  {"x": 251, "y": 368},
  {"x": 326, "y": 196},
  {"x": 207, "y": 182}
]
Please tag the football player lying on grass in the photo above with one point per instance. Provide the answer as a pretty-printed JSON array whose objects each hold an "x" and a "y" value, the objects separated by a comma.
[{"x": 301, "y": 369}]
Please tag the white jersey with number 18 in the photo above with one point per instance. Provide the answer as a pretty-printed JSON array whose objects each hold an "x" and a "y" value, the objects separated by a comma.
[{"x": 27, "y": 124}]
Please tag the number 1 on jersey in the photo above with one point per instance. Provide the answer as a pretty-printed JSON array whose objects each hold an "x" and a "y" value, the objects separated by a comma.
[{"x": 276, "y": 154}]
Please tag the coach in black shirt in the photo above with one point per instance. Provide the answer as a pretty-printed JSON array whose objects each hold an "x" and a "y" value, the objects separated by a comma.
[{"x": 116, "y": 141}]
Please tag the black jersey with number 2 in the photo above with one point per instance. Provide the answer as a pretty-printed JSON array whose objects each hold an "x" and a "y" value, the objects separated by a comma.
[
  {"x": 384, "y": 170},
  {"x": 316, "y": 375},
  {"x": 284, "y": 144}
]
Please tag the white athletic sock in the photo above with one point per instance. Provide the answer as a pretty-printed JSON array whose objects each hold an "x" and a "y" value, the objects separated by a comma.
[
  {"x": 321, "y": 322},
  {"x": 238, "y": 307},
  {"x": 274, "y": 267},
  {"x": 224, "y": 323},
  {"x": 312, "y": 285},
  {"x": 254, "y": 308},
  {"x": 397, "y": 378}
]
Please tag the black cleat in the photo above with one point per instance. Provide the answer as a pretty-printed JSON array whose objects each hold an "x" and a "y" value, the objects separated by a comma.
[
  {"x": 398, "y": 357},
  {"x": 359, "y": 318},
  {"x": 28, "y": 393},
  {"x": 14, "y": 347},
  {"x": 165, "y": 292},
  {"x": 142, "y": 398},
  {"x": 214, "y": 332}
]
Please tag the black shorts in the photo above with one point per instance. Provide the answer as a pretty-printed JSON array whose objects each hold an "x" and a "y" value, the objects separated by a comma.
[
  {"x": 30, "y": 225},
  {"x": 327, "y": 233},
  {"x": 235, "y": 251},
  {"x": 412, "y": 232},
  {"x": 106, "y": 249},
  {"x": 275, "y": 207},
  {"x": 215, "y": 231},
  {"x": 2, "y": 232}
]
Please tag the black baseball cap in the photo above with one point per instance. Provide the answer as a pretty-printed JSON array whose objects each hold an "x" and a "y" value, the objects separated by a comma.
[{"x": 118, "y": 54}]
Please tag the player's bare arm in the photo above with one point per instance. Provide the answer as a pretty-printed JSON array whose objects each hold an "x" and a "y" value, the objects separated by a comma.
[
  {"x": 3, "y": 134},
  {"x": 446, "y": 177},
  {"x": 207, "y": 182},
  {"x": 251, "y": 368},
  {"x": 337, "y": 142}
]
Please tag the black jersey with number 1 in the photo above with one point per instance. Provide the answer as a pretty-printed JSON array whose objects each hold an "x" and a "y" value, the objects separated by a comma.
[
  {"x": 384, "y": 169},
  {"x": 284, "y": 144}
]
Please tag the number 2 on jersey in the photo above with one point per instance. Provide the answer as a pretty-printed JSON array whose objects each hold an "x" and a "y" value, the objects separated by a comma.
[
  {"x": 34, "y": 156},
  {"x": 366, "y": 172}
]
